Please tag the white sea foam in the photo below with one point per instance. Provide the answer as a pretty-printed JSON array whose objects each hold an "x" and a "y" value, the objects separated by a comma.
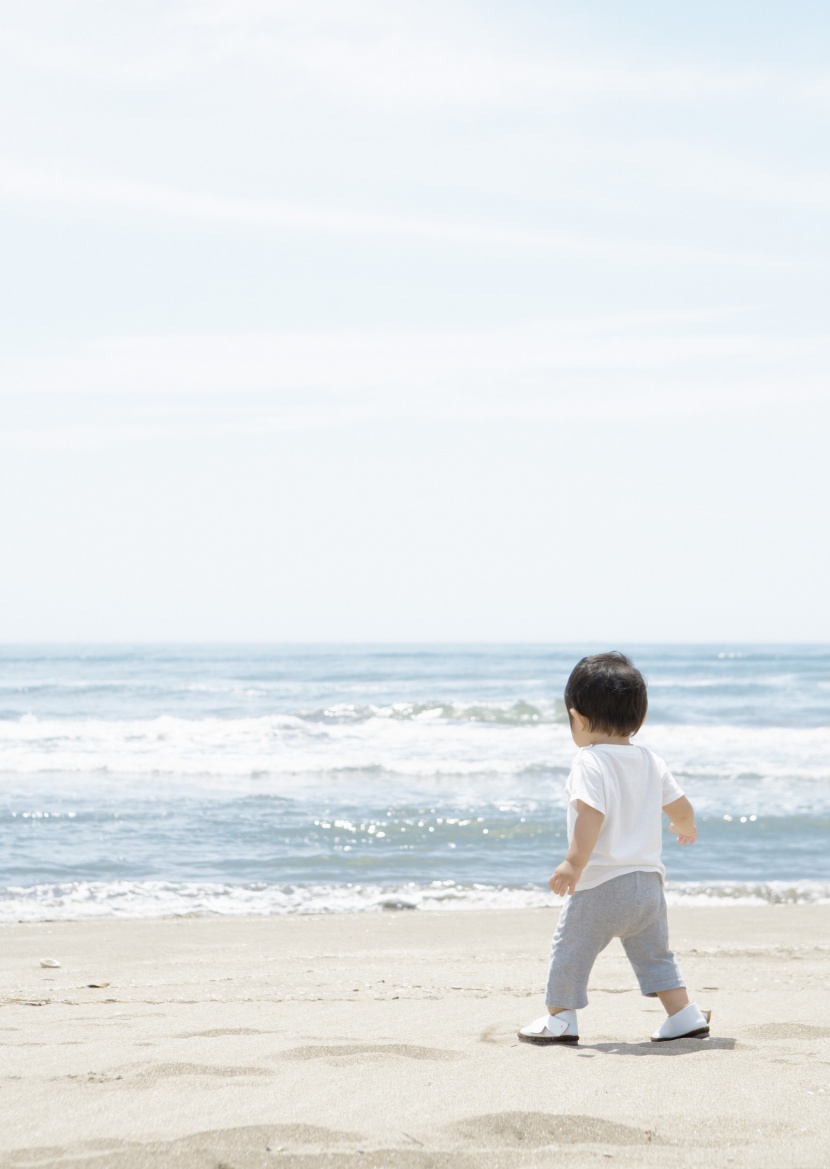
[
  {"x": 425, "y": 743},
  {"x": 707, "y": 893},
  {"x": 766, "y": 769},
  {"x": 85, "y": 900}
]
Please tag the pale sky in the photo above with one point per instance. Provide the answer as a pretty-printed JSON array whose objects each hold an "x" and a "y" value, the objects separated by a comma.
[{"x": 370, "y": 320}]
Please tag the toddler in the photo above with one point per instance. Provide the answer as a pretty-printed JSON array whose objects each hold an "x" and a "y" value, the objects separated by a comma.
[{"x": 613, "y": 871}]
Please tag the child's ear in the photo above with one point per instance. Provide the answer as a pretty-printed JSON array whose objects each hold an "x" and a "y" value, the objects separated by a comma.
[{"x": 579, "y": 722}]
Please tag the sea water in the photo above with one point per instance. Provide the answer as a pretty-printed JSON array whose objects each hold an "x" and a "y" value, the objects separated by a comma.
[{"x": 145, "y": 781}]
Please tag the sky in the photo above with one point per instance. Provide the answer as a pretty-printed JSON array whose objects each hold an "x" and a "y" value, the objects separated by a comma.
[{"x": 414, "y": 321}]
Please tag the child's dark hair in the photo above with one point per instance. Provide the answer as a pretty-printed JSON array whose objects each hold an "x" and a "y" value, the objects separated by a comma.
[{"x": 610, "y": 692}]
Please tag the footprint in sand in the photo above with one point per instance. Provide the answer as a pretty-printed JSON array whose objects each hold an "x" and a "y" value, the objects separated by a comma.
[
  {"x": 534, "y": 1129},
  {"x": 219, "y": 1032},
  {"x": 230, "y": 1148},
  {"x": 788, "y": 1031},
  {"x": 159, "y": 1071},
  {"x": 408, "y": 1051}
]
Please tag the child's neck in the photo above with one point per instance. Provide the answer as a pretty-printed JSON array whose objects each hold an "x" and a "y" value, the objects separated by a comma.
[{"x": 597, "y": 739}]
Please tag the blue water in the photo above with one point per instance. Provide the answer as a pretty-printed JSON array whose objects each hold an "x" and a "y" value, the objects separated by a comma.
[{"x": 149, "y": 780}]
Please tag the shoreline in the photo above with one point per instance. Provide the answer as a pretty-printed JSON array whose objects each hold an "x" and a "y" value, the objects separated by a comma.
[
  {"x": 164, "y": 900},
  {"x": 390, "y": 1039}
]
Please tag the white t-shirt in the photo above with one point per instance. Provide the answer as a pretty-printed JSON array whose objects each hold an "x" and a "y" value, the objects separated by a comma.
[{"x": 630, "y": 785}]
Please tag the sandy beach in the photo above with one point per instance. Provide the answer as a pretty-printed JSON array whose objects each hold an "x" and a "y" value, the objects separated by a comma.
[{"x": 390, "y": 1039}]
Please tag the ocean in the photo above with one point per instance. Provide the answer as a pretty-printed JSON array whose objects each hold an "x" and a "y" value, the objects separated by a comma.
[{"x": 143, "y": 781}]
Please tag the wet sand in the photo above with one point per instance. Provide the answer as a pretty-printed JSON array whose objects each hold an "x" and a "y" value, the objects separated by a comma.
[{"x": 390, "y": 1040}]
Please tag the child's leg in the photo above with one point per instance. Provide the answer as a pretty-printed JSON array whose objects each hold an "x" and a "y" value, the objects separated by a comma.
[
  {"x": 648, "y": 948},
  {"x": 580, "y": 935},
  {"x": 586, "y": 926},
  {"x": 656, "y": 970},
  {"x": 673, "y": 1000}
]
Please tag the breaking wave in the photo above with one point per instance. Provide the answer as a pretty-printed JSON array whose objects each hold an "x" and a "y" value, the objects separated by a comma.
[{"x": 86, "y": 900}]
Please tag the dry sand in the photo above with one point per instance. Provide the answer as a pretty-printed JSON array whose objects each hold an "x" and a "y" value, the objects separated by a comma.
[{"x": 390, "y": 1040}]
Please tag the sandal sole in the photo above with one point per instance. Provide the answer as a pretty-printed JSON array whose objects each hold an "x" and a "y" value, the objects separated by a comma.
[
  {"x": 547, "y": 1040},
  {"x": 700, "y": 1033}
]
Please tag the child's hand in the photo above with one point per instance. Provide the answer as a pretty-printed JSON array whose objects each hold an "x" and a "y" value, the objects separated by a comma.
[
  {"x": 687, "y": 837},
  {"x": 565, "y": 878}
]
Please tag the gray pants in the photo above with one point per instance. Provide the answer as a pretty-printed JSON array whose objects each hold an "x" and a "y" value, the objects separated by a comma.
[{"x": 632, "y": 908}]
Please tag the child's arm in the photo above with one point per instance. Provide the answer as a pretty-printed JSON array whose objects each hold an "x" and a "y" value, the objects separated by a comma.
[
  {"x": 586, "y": 830},
  {"x": 681, "y": 815}
]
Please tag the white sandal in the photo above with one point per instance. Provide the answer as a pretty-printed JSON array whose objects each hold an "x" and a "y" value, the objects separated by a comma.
[
  {"x": 690, "y": 1023},
  {"x": 559, "y": 1028}
]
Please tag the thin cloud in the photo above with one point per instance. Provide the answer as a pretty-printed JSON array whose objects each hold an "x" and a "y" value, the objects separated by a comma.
[
  {"x": 20, "y": 182},
  {"x": 348, "y": 363},
  {"x": 430, "y": 57}
]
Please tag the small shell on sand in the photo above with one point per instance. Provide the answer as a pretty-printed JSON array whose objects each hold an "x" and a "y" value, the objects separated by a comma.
[{"x": 50, "y": 963}]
